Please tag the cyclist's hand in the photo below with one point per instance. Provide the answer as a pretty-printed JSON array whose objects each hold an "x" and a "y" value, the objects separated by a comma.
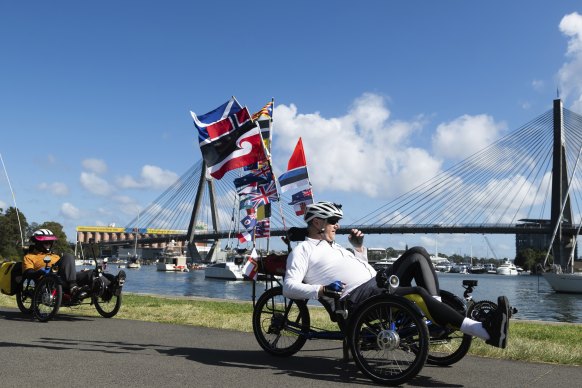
[
  {"x": 356, "y": 238},
  {"x": 333, "y": 290}
]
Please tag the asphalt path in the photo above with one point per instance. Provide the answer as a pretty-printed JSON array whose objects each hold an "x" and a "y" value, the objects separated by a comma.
[{"x": 97, "y": 352}]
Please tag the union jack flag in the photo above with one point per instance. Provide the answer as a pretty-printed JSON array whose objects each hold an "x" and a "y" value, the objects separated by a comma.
[{"x": 264, "y": 194}]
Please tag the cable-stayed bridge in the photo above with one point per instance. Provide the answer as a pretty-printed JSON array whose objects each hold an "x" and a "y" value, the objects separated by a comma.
[{"x": 528, "y": 182}]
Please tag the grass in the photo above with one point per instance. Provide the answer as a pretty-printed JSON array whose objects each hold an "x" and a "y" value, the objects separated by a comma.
[{"x": 529, "y": 341}]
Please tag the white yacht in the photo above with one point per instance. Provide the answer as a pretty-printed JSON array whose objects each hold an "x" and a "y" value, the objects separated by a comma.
[
  {"x": 172, "y": 259},
  {"x": 507, "y": 268},
  {"x": 230, "y": 268}
]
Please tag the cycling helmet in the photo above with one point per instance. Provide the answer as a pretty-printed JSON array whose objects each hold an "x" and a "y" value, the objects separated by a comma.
[
  {"x": 40, "y": 237},
  {"x": 323, "y": 210}
]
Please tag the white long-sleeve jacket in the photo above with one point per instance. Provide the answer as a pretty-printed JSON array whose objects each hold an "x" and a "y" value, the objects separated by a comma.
[{"x": 314, "y": 263}]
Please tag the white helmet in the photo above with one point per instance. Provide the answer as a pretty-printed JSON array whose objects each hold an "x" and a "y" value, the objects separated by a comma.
[{"x": 323, "y": 210}]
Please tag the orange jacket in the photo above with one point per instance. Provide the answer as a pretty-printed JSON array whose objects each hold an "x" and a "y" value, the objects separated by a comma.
[{"x": 34, "y": 261}]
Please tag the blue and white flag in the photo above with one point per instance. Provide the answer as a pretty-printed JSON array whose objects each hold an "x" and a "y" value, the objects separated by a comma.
[{"x": 294, "y": 179}]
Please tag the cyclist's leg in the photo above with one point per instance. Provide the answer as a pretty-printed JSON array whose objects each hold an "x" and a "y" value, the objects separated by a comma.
[
  {"x": 67, "y": 270},
  {"x": 361, "y": 293},
  {"x": 440, "y": 312},
  {"x": 415, "y": 264}
]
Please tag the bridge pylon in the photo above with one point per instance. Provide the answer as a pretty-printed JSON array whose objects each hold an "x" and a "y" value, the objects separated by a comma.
[{"x": 561, "y": 216}]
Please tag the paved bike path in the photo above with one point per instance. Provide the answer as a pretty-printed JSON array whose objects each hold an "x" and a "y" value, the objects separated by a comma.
[{"x": 97, "y": 352}]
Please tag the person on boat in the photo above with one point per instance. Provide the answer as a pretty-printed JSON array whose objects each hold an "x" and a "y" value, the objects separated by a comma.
[{"x": 318, "y": 266}]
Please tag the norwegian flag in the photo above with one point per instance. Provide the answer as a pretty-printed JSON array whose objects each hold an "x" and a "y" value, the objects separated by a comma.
[{"x": 263, "y": 228}]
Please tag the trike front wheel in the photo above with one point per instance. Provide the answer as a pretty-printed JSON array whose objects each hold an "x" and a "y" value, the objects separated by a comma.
[
  {"x": 279, "y": 323},
  {"x": 388, "y": 339},
  {"x": 447, "y": 346},
  {"x": 48, "y": 295},
  {"x": 107, "y": 305}
]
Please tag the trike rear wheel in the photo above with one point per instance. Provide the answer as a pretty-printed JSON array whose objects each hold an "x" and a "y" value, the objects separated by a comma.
[
  {"x": 48, "y": 295},
  {"x": 447, "y": 346},
  {"x": 278, "y": 323},
  {"x": 24, "y": 296},
  {"x": 388, "y": 339}
]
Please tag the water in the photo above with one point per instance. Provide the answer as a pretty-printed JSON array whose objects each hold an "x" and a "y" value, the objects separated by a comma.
[{"x": 531, "y": 295}]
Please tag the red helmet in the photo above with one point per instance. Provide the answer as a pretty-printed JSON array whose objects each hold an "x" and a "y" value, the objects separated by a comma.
[{"x": 42, "y": 235}]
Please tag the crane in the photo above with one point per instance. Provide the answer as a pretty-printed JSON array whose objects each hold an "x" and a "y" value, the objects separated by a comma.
[{"x": 491, "y": 247}]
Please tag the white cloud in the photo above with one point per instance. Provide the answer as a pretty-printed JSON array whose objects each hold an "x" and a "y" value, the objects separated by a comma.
[
  {"x": 465, "y": 135},
  {"x": 363, "y": 151},
  {"x": 151, "y": 177},
  {"x": 97, "y": 166},
  {"x": 69, "y": 211},
  {"x": 56, "y": 188},
  {"x": 94, "y": 184},
  {"x": 3, "y": 205},
  {"x": 570, "y": 74}
]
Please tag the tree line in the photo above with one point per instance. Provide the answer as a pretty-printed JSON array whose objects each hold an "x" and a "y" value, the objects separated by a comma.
[{"x": 15, "y": 232}]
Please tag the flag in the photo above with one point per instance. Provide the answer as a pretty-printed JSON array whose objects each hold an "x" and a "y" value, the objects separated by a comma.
[
  {"x": 230, "y": 143},
  {"x": 249, "y": 222},
  {"x": 227, "y": 109},
  {"x": 263, "y": 228},
  {"x": 300, "y": 201},
  {"x": 245, "y": 237},
  {"x": 263, "y": 211},
  {"x": 294, "y": 179},
  {"x": 296, "y": 175},
  {"x": 264, "y": 194},
  {"x": 302, "y": 196},
  {"x": 264, "y": 118},
  {"x": 251, "y": 267},
  {"x": 248, "y": 183}
]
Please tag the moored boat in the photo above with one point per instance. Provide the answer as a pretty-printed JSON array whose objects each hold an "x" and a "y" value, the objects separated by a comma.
[
  {"x": 172, "y": 259},
  {"x": 507, "y": 268},
  {"x": 229, "y": 268}
]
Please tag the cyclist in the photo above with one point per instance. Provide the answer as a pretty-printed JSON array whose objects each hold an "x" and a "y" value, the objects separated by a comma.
[
  {"x": 42, "y": 243},
  {"x": 319, "y": 266}
]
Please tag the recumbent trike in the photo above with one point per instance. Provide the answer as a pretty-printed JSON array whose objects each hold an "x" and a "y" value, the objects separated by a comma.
[
  {"x": 42, "y": 294},
  {"x": 390, "y": 337}
]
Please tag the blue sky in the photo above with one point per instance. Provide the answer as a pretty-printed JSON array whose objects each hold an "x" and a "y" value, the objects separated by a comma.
[{"x": 95, "y": 97}]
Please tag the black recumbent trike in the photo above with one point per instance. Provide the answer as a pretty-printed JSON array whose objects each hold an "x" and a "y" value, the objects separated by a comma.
[
  {"x": 42, "y": 295},
  {"x": 390, "y": 337}
]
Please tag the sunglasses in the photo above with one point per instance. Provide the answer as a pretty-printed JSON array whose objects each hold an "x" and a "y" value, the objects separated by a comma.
[{"x": 332, "y": 220}]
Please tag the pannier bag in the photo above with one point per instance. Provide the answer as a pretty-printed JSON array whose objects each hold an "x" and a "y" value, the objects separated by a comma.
[
  {"x": 273, "y": 265},
  {"x": 10, "y": 275}
]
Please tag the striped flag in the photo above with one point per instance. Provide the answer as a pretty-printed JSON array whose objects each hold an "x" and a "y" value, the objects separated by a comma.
[{"x": 264, "y": 118}]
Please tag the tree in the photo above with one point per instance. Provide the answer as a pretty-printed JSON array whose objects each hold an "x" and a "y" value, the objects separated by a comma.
[{"x": 11, "y": 244}]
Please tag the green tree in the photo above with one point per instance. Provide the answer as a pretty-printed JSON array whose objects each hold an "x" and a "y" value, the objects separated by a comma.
[
  {"x": 529, "y": 258},
  {"x": 11, "y": 244}
]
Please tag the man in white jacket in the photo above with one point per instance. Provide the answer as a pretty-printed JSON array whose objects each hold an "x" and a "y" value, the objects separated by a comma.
[{"x": 319, "y": 266}]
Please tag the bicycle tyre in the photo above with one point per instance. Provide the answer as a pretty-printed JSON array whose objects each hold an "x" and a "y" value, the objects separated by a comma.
[
  {"x": 388, "y": 338},
  {"x": 278, "y": 332},
  {"x": 451, "y": 345},
  {"x": 24, "y": 296},
  {"x": 107, "y": 307},
  {"x": 48, "y": 295}
]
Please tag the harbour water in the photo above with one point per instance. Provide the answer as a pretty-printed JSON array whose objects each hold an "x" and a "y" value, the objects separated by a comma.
[{"x": 531, "y": 295}]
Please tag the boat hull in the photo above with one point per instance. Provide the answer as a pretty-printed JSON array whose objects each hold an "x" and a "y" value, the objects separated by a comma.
[
  {"x": 222, "y": 272},
  {"x": 565, "y": 282}
]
